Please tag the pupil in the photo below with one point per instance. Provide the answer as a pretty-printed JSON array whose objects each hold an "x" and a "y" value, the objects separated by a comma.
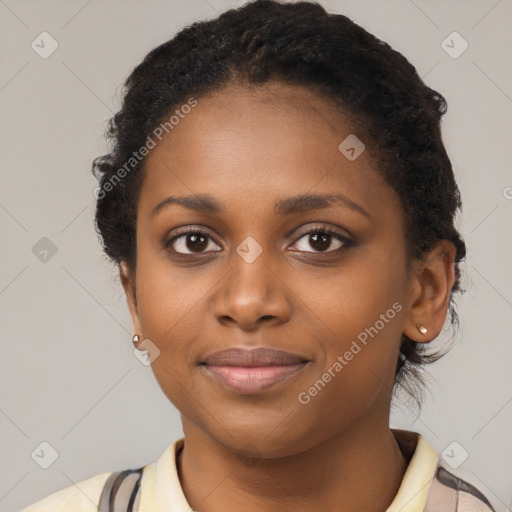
[
  {"x": 194, "y": 245},
  {"x": 315, "y": 241}
]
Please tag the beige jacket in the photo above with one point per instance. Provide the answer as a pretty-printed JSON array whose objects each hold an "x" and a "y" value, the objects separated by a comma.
[{"x": 427, "y": 486}]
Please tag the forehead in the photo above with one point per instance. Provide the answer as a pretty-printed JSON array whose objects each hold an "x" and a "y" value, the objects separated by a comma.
[{"x": 245, "y": 141}]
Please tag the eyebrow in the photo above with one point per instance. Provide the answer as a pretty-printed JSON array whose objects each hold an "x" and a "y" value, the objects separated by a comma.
[{"x": 295, "y": 204}]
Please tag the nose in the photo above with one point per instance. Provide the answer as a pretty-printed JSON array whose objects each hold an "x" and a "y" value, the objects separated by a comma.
[{"x": 252, "y": 294}]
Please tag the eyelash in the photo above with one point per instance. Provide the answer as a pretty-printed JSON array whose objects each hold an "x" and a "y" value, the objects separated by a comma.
[{"x": 323, "y": 230}]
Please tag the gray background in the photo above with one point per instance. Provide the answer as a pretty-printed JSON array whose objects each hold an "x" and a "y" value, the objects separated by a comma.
[{"x": 69, "y": 376}]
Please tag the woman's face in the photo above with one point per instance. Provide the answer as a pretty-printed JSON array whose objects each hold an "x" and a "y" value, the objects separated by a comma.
[{"x": 265, "y": 274}]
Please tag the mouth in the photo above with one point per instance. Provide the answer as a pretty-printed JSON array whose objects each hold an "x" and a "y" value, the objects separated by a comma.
[{"x": 252, "y": 371}]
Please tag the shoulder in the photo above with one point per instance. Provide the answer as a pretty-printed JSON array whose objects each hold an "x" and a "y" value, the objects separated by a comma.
[
  {"x": 120, "y": 490},
  {"x": 451, "y": 492},
  {"x": 83, "y": 496},
  {"x": 428, "y": 485}
]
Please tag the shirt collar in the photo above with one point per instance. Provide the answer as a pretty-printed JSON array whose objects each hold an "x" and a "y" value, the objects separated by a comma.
[
  {"x": 161, "y": 488},
  {"x": 415, "y": 487}
]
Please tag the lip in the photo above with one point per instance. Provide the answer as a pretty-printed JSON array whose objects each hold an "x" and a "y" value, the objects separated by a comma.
[{"x": 251, "y": 371}]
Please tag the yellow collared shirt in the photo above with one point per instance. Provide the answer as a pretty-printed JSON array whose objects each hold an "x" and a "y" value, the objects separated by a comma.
[{"x": 427, "y": 486}]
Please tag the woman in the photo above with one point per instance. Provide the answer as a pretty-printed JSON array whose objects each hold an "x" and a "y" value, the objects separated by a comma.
[{"x": 281, "y": 208}]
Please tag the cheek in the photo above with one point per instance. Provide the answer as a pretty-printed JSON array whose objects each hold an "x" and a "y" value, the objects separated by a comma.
[
  {"x": 166, "y": 294},
  {"x": 355, "y": 374},
  {"x": 168, "y": 304},
  {"x": 363, "y": 306},
  {"x": 168, "y": 311},
  {"x": 350, "y": 298}
]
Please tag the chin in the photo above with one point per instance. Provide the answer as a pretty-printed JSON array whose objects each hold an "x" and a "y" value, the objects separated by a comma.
[{"x": 264, "y": 439}]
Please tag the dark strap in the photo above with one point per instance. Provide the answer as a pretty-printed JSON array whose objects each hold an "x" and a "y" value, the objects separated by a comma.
[
  {"x": 454, "y": 482},
  {"x": 121, "y": 491}
]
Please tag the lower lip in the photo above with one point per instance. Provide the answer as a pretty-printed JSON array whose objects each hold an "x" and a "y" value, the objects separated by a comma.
[{"x": 251, "y": 380}]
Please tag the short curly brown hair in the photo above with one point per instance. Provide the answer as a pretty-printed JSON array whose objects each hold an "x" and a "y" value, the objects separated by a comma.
[{"x": 297, "y": 44}]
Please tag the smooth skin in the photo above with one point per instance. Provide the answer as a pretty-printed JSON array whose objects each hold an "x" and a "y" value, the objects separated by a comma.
[{"x": 247, "y": 148}]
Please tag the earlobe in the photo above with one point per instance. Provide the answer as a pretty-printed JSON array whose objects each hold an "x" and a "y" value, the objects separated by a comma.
[
  {"x": 432, "y": 285},
  {"x": 128, "y": 282}
]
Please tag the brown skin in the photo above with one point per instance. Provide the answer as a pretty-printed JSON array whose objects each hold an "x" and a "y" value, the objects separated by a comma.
[{"x": 248, "y": 148}]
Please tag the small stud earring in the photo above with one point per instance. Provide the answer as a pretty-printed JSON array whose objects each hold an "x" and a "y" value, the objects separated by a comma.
[
  {"x": 422, "y": 329},
  {"x": 135, "y": 339}
]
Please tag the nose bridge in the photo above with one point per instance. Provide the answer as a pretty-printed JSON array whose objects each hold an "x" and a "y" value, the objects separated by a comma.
[
  {"x": 250, "y": 276},
  {"x": 251, "y": 267}
]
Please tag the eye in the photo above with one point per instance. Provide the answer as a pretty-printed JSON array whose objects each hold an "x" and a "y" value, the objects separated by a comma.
[
  {"x": 190, "y": 241},
  {"x": 321, "y": 239}
]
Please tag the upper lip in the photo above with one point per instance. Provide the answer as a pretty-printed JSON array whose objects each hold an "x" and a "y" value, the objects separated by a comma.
[{"x": 261, "y": 356}]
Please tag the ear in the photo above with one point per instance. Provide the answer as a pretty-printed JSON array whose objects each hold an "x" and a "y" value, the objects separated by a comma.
[
  {"x": 128, "y": 282},
  {"x": 429, "y": 295}
]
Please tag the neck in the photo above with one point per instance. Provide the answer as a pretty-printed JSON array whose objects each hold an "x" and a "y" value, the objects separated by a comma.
[{"x": 351, "y": 471}]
